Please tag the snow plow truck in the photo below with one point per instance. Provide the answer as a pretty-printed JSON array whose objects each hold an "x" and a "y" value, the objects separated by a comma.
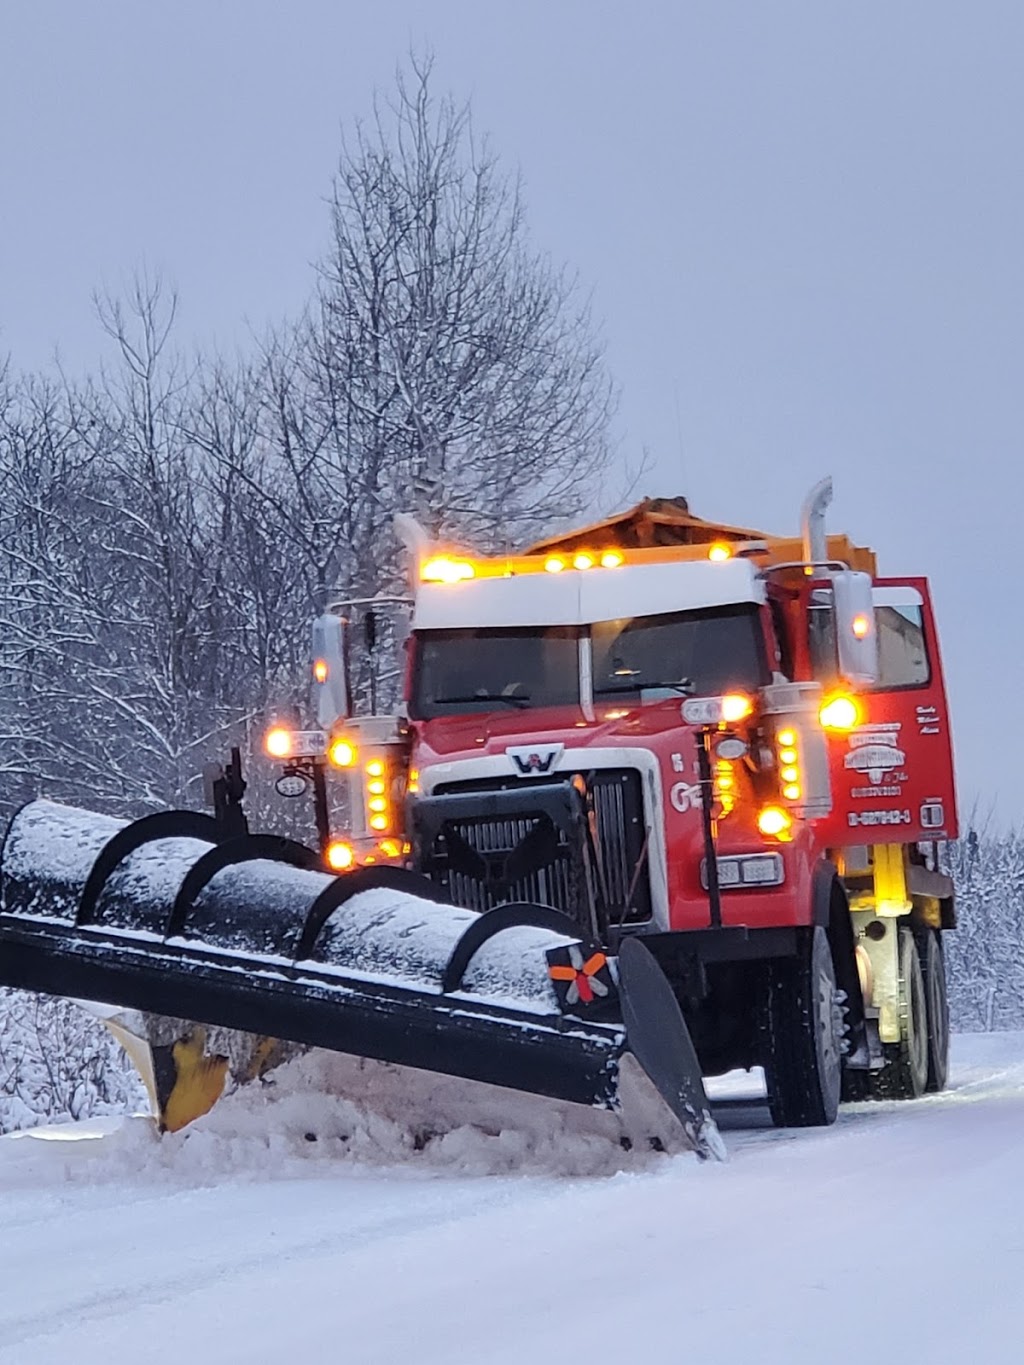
[{"x": 663, "y": 798}]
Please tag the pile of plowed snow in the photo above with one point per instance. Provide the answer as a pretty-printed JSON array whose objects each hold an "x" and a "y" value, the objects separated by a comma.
[{"x": 322, "y": 1109}]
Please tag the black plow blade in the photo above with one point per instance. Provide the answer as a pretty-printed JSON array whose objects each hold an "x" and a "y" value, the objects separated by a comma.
[{"x": 167, "y": 918}]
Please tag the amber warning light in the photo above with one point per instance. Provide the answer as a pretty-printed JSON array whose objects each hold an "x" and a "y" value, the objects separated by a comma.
[
  {"x": 727, "y": 710},
  {"x": 280, "y": 742}
]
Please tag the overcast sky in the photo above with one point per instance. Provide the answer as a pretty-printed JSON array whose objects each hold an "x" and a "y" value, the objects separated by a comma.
[{"x": 803, "y": 225}]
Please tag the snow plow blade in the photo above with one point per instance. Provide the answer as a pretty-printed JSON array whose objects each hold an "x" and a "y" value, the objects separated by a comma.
[{"x": 244, "y": 936}]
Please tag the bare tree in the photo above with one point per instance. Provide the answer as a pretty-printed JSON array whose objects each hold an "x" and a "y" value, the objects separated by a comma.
[{"x": 455, "y": 369}]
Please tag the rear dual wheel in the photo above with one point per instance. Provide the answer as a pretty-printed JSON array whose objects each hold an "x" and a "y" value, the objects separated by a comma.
[
  {"x": 933, "y": 968},
  {"x": 920, "y": 1060}
]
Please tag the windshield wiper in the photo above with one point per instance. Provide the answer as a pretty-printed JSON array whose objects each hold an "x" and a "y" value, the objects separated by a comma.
[
  {"x": 684, "y": 688},
  {"x": 523, "y": 699}
]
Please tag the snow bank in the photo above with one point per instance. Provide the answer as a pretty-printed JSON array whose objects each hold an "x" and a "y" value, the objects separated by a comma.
[{"x": 323, "y": 1110}]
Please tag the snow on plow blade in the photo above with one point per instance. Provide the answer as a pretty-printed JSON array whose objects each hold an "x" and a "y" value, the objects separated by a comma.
[{"x": 169, "y": 917}]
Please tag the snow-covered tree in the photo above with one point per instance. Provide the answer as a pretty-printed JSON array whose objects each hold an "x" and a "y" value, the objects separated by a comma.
[{"x": 985, "y": 955}]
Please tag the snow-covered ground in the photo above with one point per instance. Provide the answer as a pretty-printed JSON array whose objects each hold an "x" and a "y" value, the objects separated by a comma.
[{"x": 289, "y": 1226}]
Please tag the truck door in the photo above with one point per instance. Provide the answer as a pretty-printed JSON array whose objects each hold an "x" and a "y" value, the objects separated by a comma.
[{"x": 892, "y": 775}]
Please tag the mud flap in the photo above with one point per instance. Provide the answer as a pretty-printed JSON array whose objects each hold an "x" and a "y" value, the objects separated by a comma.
[{"x": 657, "y": 1036}]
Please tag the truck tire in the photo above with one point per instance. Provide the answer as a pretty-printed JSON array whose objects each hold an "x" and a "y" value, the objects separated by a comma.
[
  {"x": 905, "y": 1073},
  {"x": 803, "y": 1036},
  {"x": 933, "y": 969}
]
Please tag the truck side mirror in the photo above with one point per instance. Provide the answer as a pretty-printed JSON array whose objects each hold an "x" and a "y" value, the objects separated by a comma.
[
  {"x": 856, "y": 628},
  {"x": 330, "y": 670}
]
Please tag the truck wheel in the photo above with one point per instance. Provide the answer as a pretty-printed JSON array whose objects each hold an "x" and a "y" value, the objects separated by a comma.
[
  {"x": 804, "y": 1031},
  {"x": 933, "y": 969},
  {"x": 905, "y": 1073}
]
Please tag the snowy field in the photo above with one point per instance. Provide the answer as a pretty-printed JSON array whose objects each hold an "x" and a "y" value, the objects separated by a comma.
[{"x": 290, "y": 1226}]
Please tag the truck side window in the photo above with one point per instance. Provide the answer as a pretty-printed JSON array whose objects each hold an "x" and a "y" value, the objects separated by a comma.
[
  {"x": 902, "y": 654},
  {"x": 902, "y": 648}
]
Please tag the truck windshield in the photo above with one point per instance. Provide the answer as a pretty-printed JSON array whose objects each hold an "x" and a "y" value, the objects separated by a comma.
[
  {"x": 699, "y": 653},
  {"x": 488, "y": 670}
]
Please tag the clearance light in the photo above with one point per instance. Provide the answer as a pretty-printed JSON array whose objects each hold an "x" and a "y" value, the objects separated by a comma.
[
  {"x": 860, "y": 625},
  {"x": 445, "y": 570},
  {"x": 377, "y": 804},
  {"x": 413, "y": 784},
  {"x": 378, "y": 822},
  {"x": 320, "y": 670},
  {"x": 278, "y": 742},
  {"x": 375, "y": 768},
  {"x": 611, "y": 559},
  {"x": 725, "y": 787},
  {"x": 789, "y": 764},
  {"x": 554, "y": 564},
  {"x": 839, "y": 713},
  {"x": 720, "y": 552},
  {"x": 375, "y": 788},
  {"x": 340, "y": 855},
  {"x": 342, "y": 754},
  {"x": 583, "y": 561},
  {"x": 735, "y": 707},
  {"x": 774, "y": 822}
]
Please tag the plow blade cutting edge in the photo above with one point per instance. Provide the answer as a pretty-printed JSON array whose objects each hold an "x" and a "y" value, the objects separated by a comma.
[{"x": 211, "y": 954}]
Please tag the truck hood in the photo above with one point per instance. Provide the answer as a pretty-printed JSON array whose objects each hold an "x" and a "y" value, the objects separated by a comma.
[{"x": 472, "y": 736}]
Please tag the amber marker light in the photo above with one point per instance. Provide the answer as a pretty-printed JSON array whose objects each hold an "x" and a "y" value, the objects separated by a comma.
[
  {"x": 554, "y": 564},
  {"x": 278, "y": 742},
  {"x": 378, "y": 822},
  {"x": 375, "y": 768},
  {"x": 442, "y": 569},
  {"x": 787, "y": 739},
  {"x": 735, "y": 707},
  {"x": 340, "y": 855},
  {"x": 611, "y": 559},
  {"x": 342, "y": 753},
  {"x": 583, "y": 561},
  {"x": 861, "y": 626},
  {"x": 838, "y": 713},
  {"x": 720, "y": 552},
  {"x": 320, "y": 670},
  {"x": 774, "y": 822}
]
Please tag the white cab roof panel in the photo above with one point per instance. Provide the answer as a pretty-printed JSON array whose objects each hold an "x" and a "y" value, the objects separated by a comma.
[{"x": 577, "y": 597}]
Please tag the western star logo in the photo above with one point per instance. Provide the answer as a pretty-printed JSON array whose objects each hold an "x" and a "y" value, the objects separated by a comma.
[{"x": 534, "y": 760}]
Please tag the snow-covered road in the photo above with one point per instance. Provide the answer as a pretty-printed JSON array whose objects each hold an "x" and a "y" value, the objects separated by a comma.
[{"x": 897, "y": 1234}]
